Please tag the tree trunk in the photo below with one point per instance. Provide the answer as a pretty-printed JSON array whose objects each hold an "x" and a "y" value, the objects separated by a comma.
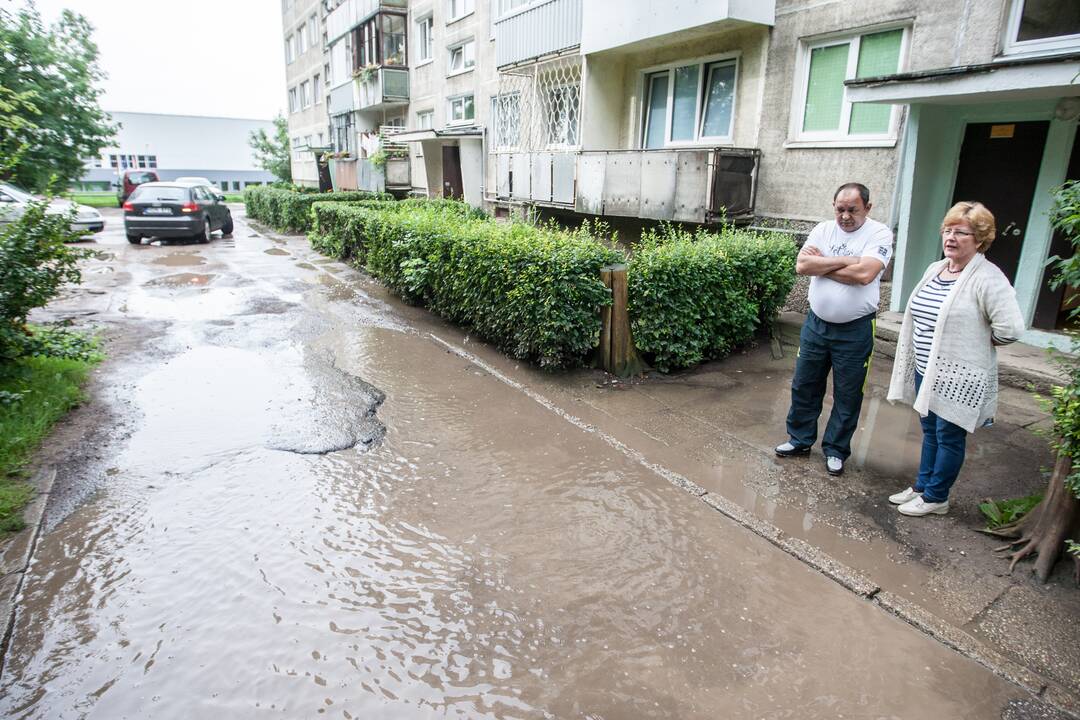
[{"x": 1044, "y": 530}]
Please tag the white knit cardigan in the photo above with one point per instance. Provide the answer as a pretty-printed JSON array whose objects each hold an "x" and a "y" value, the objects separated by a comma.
[{"x": 961, "y": 381}]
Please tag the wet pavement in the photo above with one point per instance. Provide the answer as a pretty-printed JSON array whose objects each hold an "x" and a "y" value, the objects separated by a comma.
[{"x": 311, "y": 500}]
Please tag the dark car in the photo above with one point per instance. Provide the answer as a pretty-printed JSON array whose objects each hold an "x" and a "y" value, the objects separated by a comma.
[
  {"x": 130, "y": 180},
  {"x": 175, "y": 210}
]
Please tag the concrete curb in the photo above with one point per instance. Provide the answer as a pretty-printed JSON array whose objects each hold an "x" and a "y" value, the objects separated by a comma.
[
  {"x": 16, "y": 556},
  {"x": 949, "y": 635}
]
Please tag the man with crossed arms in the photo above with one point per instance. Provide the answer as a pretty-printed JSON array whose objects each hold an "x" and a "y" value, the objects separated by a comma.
[{"x": 845, "y": 259}]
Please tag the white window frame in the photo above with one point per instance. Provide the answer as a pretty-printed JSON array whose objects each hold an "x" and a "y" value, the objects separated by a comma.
[
  {"x": 313, "y": 30},
  {"x": 460, "y": 45},
  {"x": 498, "y": 102},
  {"x": 293, "y": 104},
  {"x": 577, "y": 118},
  {"x": 841, "y": 138},
  {"x": 699, "y": 140},
  {"x": 317, "y": 89},
  {"x": 290, "y": 49},
  {"x": 468, "y": 8},
  {"x": 301, "y": 40},
  {"x": 425, "y": 45},
  {"x": 305, "y": 95},
  {"x": 429, "y": 115},
  {"x": 450, "y": 109},
  {"x": 1044, "y": 46}
]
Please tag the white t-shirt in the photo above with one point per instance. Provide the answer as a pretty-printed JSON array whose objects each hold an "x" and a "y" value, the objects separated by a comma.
[{"x": 836, "y": 301}]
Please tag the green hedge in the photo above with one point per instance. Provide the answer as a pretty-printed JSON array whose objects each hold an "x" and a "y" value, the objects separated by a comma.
[
  {"x": 534, "y": 292},
  {"x": 695, "y": 297},
  {"x": 290, "y": 210}
]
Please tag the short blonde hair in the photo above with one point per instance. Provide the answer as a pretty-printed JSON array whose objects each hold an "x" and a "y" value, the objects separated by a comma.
[{"x": 978, "y": 217}]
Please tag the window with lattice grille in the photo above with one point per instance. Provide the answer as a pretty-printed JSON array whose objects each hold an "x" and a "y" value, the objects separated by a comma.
[{"x": 538, "y": 106}]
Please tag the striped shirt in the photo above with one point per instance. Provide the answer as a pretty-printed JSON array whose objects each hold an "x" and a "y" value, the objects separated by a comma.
[{"x": 924, "y": 316}]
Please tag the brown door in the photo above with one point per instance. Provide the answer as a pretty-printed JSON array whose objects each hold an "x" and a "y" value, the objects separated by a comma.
[
  {"x": 1052, "y": 306},
  {"x": 999, "y": 165},
  {"x": 451, "y": 172}
]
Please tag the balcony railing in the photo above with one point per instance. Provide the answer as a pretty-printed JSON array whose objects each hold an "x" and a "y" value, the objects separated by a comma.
[
  {"x": 539, "y": 30},
  {"x": 342, "y": 99},
  {"x": 639, "y": 20},
  {"x": 386, "y": 87},
  {"x": 700, "y": 186}
]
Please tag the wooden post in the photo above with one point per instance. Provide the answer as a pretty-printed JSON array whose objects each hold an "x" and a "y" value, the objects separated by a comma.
[{"x": 617, "y": 354}]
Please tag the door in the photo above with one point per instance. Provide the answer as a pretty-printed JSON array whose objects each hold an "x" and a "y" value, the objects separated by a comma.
[
  {"x": 451, "y": 168},
  {"x": 999, "y": 166},
  {"x": 1052, "y": 306}
]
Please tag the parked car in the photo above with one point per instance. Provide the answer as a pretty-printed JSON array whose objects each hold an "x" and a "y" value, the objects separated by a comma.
[
  {"x": 14, "y": 200},
  {"x": 130, "y": 180},
  {"x": 201, "y": 181},
  {"x": 175, "y": 210}
]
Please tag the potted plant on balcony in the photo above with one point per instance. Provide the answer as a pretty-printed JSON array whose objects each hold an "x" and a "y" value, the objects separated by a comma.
[{"x": 366, "y": 73}]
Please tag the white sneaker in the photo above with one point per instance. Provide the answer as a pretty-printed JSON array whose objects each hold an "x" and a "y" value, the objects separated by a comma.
[
  {"x": 903, "y": 496},
  {"x": 834, "y": 465},
  {"x": 917, "y": 507}
]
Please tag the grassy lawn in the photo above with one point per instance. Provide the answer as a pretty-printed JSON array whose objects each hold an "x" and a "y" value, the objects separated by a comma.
[
  {"x": 234, "y": 197},
  {"x": 96, "y": 199},
  {"x": 34, "y": 394}
]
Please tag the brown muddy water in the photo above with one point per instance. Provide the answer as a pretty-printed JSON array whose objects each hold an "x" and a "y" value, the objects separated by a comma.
[{"x": 320, "y": 512}]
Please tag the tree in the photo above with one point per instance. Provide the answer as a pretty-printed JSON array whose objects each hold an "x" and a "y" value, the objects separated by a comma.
[
  {"x": 51, "y": 98},
  {"x": 1054, "y": 524},
  {"x": 273, "y": 153}
]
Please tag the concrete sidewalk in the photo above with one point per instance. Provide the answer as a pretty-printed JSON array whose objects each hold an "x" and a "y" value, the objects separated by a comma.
[{"x": 712, "y": 429}]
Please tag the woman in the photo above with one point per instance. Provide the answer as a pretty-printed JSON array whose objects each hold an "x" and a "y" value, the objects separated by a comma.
[{"x": 946, "y": 361}]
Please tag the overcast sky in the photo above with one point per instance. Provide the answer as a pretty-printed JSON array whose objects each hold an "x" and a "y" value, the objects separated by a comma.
[{"x": 197, "y": 57}]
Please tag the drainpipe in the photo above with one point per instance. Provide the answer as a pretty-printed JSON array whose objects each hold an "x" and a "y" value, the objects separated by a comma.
[{"x": 894, "y": 204}]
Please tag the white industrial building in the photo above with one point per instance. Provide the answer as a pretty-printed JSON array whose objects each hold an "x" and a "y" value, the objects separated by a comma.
[{"x": 216, "y": 148}]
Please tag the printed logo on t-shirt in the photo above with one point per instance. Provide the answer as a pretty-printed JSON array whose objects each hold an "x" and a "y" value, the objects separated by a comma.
[
  {"x": 840, "y": 249},
  {"x": 882, "y": 251}
]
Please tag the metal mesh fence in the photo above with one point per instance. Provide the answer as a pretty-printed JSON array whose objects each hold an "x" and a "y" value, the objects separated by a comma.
[{"x": 538, "y": 107}]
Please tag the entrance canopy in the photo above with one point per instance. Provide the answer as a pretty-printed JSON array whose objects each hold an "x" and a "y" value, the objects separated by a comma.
[
  {"x": 470, "y": 131},
  {"x": 1007, "y": 80}
]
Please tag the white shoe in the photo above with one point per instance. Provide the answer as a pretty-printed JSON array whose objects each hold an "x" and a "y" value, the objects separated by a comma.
[
  {"x": 834, "y": 465},
  {"x": 903, "y": 496},
  {"x": 917, "y": 507}
]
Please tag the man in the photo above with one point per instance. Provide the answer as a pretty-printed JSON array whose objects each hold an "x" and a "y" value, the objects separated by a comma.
[{"x": 844, "y": 258}]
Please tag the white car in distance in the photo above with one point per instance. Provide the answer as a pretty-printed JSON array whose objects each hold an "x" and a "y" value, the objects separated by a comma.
[{"x": 14, "y": 201}]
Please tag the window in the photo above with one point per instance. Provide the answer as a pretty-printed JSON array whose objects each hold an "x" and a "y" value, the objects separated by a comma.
[
  {"x": 425, "y": 45},
  {"x": 290, "y": 49},
  {"x": 301, "y": 40},
  {"x": 689, "y": 104},
  {"x": 506, "y": 120},
  {"x": 393, "y": 39},
  {"x": 822, "y": 112},
  {"x": 293, "y": 107},
  {"x": 462, "y": 109},
  {"x": 235, "y": 184},
  {"x": 507, "y": 6},
  {"x": 313, "y": 30},
  {"x": 563, "y": 119},
  {"x": 456, "y": 9},
  {"x": 316, "y": 89},
  {"x": 462, "y": 57},
  {"x": 424, "y": 119},
  {"x": 153, "y": 160},
  {"x": 380, "y": 41},
  {"x": 113, "y": 161},
  {"x": 1043, "y": 26},
  {"x": 305, "y": 94}
]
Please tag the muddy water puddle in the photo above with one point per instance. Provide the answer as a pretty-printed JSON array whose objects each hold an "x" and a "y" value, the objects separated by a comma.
[
  {"x": 484, "y": 559},
  {"x": 182, "y": 280},
  {"x": 276, "y": 251},
  {"x": 180, "y": 259}
]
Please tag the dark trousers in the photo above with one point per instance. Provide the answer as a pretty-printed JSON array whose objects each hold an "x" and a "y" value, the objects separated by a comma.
[
  {"x": 943, "y": 447},
  {"x": 844, "y": 349}
]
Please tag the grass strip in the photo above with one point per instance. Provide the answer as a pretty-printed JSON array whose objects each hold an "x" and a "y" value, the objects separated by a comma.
[{"x": 35, "y": 392}]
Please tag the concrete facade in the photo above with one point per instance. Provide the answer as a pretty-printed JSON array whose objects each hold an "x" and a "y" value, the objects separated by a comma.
[
  {"x": 178, "y": 145},
  {"x": 306, "y": 86}
]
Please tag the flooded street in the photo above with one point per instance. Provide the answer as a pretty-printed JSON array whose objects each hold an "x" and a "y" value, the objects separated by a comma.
[{"x": 309, "y": 507}]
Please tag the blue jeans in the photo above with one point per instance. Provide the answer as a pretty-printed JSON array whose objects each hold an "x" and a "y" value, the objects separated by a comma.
[
  {"x": 943, "y": 446},
  {"x": 843, "y": 349}
]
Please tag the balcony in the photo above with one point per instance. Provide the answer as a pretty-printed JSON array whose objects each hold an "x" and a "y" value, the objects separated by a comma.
[
  {"x": 342, "y": 99},
  {"x": 382, "y": 88},
  {"x": 353, "y": 12},
  {"x": 699, "y": 186},
  {"x": 538, "y": 30},
  {"x": 642, "y": 20}
]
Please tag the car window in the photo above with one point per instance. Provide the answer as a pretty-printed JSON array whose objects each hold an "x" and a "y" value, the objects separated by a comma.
[
  {"x": 4, "y": 197},
  {"x": 159, "y": 194},
  {"x": 17, "y": 193},
  {"x": 200, "y": 193},
  {"x": 143, "y": 177}
]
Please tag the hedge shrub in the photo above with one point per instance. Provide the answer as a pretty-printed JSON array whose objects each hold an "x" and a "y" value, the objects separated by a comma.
[
  {"x": 533, "y": 291},
  {"x": 695, "y": 297},
  {"x": 289, "y": 210}
]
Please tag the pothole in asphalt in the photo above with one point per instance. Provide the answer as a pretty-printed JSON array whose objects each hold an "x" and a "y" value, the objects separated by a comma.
[
  {"x": 180, "y": 260},
  {"x": 276, "y": 251},
  {"x": 181, "y": 280},
  {"x": 306, "y": 266}
]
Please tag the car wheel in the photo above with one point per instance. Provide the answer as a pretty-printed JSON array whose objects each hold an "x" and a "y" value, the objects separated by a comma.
[
  {"x": 227, "y": 226},
  {"x": 205, "y": 235},
  {"x": 134, "y": 239}
]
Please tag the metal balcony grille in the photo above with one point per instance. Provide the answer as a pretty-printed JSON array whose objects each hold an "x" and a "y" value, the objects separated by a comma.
[{"x": 538, "y": 107}]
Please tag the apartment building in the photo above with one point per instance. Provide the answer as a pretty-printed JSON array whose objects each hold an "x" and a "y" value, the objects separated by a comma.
[{"x": 305, "y": 80}]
